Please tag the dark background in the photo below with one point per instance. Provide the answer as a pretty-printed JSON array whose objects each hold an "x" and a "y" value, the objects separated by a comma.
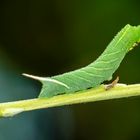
[{"x": 51, "y": 37}]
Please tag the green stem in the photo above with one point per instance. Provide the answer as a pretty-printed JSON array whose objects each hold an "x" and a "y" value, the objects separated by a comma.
[{"x": 91, "y": 95}]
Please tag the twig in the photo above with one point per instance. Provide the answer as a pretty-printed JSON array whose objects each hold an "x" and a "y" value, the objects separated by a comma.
[{"x": 96, "y": 94}]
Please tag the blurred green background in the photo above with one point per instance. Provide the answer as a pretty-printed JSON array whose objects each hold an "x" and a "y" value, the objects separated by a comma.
[{"x": 51, "y": 37}]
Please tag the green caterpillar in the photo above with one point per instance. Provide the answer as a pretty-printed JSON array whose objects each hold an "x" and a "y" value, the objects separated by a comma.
[{"x": 95, "y": 73}]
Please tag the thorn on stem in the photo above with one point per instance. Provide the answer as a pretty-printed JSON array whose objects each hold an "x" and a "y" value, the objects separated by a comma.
[{"x": 111, "y": 85}]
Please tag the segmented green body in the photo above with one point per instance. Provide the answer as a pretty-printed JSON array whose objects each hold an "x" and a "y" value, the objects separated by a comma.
[{"x": 98, "y": 71}]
